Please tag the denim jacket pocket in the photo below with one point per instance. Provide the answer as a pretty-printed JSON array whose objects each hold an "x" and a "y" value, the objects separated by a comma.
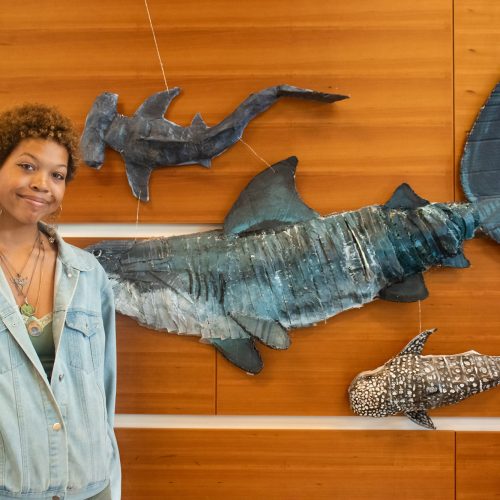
[
  {"x": 85, "y": 339},
  {"x": 10, "y": 357}
]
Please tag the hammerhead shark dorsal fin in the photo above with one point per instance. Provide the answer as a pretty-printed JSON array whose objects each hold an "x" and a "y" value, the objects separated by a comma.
[
  {"x": 269, "y": 201},
  {"x": 420, "y": 417},
  {"x": 241, "y": 352},
  {"x": 416, "y": 344},
  {"x": 155, "y": 106},
  {"x": 198, "y": 123},
  {"x": 405, "y": 197},
  {"x": 411, "y": 289}
]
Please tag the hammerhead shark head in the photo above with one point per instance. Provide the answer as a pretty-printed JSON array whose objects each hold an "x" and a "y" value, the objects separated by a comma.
[
  {"x": 277, "y": 264},
  {"x": 147, "y": 140}
]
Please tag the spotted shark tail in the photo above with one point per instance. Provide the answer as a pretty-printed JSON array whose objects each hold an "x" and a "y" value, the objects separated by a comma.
[{"x": 480, "y": 167}]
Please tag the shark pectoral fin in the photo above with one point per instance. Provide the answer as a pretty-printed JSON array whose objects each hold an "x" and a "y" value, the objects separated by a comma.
[
  {"x": 420, "y": 417},
  {"x": 155, "y": 106},
  {"x": 270, "y": 333},
  {"x": 410, "y": 290},
  {"x": 458, "y": 260},
  {"x": 240, "y": 352},
  {"x": 138, "y": 179},
  {"x": 207, "y": 163},
  {"x": 405, "y": 197},
  {"x": 416, "y": 344},
  {"x": 269, "y": 201}
]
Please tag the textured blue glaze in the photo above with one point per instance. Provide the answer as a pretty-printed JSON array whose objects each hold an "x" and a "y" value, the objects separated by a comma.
[{"x": 297, "y": 276}]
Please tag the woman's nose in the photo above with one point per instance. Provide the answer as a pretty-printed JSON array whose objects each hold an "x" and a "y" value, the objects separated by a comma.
[{"x": 39, "y": 182}]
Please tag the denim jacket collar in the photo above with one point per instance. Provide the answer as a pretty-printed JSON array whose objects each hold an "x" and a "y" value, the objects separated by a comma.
[
  {"x": 68, "y": 268},
  {"x": 66, "y": 253}
]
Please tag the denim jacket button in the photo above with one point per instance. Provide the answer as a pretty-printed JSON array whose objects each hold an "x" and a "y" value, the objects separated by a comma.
[
  {"x": 55, "y": 497},
  {"x": 61, "y": 376},
  {"x": 69, "y": 275},
  {"x": 57, "y": 426}
]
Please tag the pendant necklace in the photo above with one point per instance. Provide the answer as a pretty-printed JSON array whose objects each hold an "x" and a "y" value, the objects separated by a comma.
[
  {"x": 28, "y": 310},
  {"x": 33, "y": 324},
  {"x": 17, "y": 278}
]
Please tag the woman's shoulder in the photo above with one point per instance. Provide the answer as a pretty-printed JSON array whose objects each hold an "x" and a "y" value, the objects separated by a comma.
[{"x": 77, "y": 257}]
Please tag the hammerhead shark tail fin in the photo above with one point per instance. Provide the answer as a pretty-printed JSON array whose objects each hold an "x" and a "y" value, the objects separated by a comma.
[
  {"x": 98, "y": 120},
  {"x": 480, "y": 170}
]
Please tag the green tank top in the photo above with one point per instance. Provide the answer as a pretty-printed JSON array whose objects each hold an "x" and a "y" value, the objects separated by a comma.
[{"x": 42, "y": 338}]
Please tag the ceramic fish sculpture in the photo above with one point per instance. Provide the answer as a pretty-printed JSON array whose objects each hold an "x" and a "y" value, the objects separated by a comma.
[
  {"x": 411, "y": 383},
  {"x": 278, "y": 265},
  {"x": 147, "y": 140}
]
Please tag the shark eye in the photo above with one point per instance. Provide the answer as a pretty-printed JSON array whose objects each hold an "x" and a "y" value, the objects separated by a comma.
[{"x": 97, "y": 253}]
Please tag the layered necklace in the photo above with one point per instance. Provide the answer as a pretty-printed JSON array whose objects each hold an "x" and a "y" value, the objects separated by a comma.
[{"x": 22, "y": 283}]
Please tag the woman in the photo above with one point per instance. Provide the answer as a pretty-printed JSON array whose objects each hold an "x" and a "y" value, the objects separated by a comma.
[{"x": 57, "y": 331}]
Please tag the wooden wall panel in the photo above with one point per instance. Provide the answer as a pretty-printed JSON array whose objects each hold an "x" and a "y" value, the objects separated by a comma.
[
  {"x": 395, "y": 61},
  {"x": 286, "y": 465},
  {"x": 163, "y": 373},
  {"x": 478, "y": 461}
]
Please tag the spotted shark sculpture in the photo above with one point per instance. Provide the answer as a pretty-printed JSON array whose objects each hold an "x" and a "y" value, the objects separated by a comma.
[
  {"x": 277, "y": 264},
  {"x": 147, "y": 140},
  {"x": 412, "y": 384}
]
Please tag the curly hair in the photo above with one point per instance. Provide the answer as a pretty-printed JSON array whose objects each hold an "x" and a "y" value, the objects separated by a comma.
[{"x": 38, "y": 121}]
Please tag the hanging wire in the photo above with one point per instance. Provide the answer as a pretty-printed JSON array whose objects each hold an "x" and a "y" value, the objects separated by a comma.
[
  {"x": 255, "y": 152},
  {"x": 166, "y": 84},
  {"x": 156, "y": 44},
  {"x": 419, "y": 316},
  {"x": 137, "y": 215}
]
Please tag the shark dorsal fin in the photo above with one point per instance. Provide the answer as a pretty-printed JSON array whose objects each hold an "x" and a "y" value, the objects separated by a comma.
[
  {"x": 270, "y": 200},
  {"x": 405, "y": 197},
  {"x": 155, "y": 106},
  {"x": 198, "y": 123},
  {"x": 416, "y": 344}
]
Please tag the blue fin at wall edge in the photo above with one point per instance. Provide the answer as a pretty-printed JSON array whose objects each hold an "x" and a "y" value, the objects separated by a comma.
[
  {"x": 459, "y": 261},
  {"x": 270, "y": 200},
  {"x": 411, "y": 289},
  {"x": 405, "y": 197},
  {"x": 240, "y": 352},
  {"x": 269, "y": 332}
]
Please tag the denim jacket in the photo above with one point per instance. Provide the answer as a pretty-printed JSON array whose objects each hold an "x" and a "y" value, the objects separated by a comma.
[{"x": 56, "y": 437}]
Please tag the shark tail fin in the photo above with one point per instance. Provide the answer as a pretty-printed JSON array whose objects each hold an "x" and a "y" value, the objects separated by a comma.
[
  {"x": 101, "y": 114},
  {"x": 480, "y": 168}
]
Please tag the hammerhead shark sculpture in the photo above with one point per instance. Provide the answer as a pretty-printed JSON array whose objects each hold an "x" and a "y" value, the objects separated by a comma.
[
  {"x": 411, "y": 383},
  {"x": 147, "y": 140},
  {"x": 277, "y": 264}
]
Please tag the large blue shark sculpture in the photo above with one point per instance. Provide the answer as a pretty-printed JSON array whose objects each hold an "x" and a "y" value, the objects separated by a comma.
[
  {"x": 278, "y": 265},
  {"x": 147, "y": 140},
  {"x": 412, "y": 383}
]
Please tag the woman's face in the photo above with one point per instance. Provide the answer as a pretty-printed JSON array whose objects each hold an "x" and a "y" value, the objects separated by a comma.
[{"x": 32, "y": 180}]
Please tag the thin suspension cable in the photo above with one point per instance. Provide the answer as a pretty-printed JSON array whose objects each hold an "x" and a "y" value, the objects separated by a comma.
[
  {"x": 156, "y": 44},
  {"x": 255, "y": 152},
  {"x": 419, "y": 316}
]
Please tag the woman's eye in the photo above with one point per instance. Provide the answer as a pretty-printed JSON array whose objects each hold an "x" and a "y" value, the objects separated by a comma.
[
  {"x": 26, "y": 166},
  {"x": 59, "y": 176}
]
